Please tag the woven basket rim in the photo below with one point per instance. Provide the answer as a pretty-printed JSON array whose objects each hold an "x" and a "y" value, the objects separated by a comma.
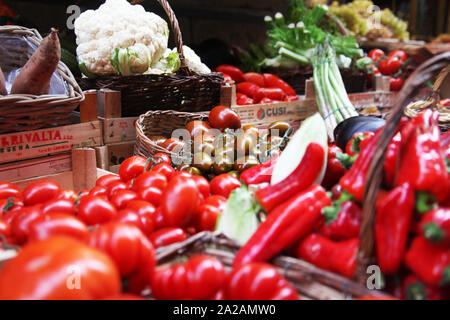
[{"x": 75, "y": 94}]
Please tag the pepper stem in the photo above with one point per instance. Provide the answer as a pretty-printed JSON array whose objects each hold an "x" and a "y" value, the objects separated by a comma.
[
  {"x": 416, "y": 291},
  {"x": 446, "y": 276},
  {"x": 433, "y": 232},
  {"x": 346, "y": 160},
  {"x": 425, "y": 202}
]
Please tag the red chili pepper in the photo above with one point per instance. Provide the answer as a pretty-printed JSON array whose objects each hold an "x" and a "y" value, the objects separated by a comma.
[
  {"x": 301, "y": 178},
  {"x": 390, "y": 163},
  {"x": 271, "y": 80},
  {"x": 435, "y": 226},
  {"x": 392, "y": 225},
  {"x": 353, "y": 146},
  {"x": 259, "y": 174},
  {"x": 235, "y": 73},
  {"x": 429, "y": 262},
  {"x": 258, "y": 281},
  {"x": 342, "y": 221},
  {"x": 414, "y": 289},
  {"x": 285, "y": 225},
  {"x": 422, "y": 163},
  {"x": 271, "y": 93},
  {"x": 355, "y": 179},
  {"x": 335, "y": 170},
  {"x": 339, "y": 257},
  {"x": 199, "y": 278}
]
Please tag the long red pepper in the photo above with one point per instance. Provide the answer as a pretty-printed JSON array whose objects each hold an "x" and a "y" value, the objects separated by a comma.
[
  {"x": 334, "y": 256},
  {"x": 355, "y": 179},
  {"x": 285, "y": 225},
  {"x": 422, "y": 163},
  {"x": 392, "y": 225},
  {"x": 301, "y": 178},
  {"x": 429, "y": 262},
  {"x": 259, "y": 174},
  {"x": 435, "y": 226}
]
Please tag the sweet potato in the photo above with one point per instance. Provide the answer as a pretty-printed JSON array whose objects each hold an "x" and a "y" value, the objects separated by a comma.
[
  {"x": 3, "y": 91},
  {"x": 34, "y": 78}
]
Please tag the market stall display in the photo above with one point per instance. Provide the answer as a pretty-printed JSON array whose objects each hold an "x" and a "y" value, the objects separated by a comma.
[{"x": 239, "y": 187}]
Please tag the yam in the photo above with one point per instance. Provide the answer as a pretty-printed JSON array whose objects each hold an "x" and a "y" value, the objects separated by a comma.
[
  {"x": 3, "y": 91},
  {"x": 34, "y": 78}
]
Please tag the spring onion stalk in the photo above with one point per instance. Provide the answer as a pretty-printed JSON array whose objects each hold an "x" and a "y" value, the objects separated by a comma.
[
  {"x": 332, "y": 98},
  {"x": 295, "y": 56}
]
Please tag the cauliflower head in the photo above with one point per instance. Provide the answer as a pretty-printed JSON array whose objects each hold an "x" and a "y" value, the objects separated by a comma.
[
  {"x": 194, "y": 62},
  {"x": 117, "y": 24}
]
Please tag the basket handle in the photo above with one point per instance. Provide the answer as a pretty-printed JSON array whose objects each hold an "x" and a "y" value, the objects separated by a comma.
[
  {"x": 184, "y": 69},
  {"x": 375, "y": 174}
]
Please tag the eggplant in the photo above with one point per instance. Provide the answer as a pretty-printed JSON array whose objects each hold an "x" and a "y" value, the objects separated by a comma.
[{"x": 345, "y": 130}]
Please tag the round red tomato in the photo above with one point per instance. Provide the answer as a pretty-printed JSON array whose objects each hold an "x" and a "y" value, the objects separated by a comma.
[
  {"x": 179, "y": 202},
  {"x": 10, "y": 204},
  {"x": 59, "y": 268},
  {"x": 222, "y": 117},
  {"x": 59, "y": 206},
  {"x": 21, "y": 222},
  {"x": 164, "y": 168},
  {"x": 197, "y": 128},
  {"x": 199, "y": 278},
  {"x": 95, "y": 210},
  {"x": 5, "y": 229},
  {"x": 202, "y": 185},
  {"x": 161, "y": 157},
  {"x": 165, "y": 236},
  {"x": 159, "y": 219},
  {"x": 132, "y": 167},
  {"x": 399, "y": 54},
  {"x": 223, "y": 184},
  {"x": 130, "y": 249},
  {"x": 106, "y": 180},
  {"x": 114, "y": 187},
  {"x": 60, "y": 224},
  {"x": 208, "y": 213},
  {"x": 40, "y": 191},
  {"x": 150, "y": 179},
  {"x": 143, "y": 221},
  {"x": 389, "y": 66},
  {"x": 396, "y": 84},
  {"x": 152, "y": 195},
  {"x": 376, "y": 54},
  {"x": 100, "y": 191},
  {"x": 122, "y": 197},
  {"x": 8, "y": 190},
  {"x": 258, "y": 281}
]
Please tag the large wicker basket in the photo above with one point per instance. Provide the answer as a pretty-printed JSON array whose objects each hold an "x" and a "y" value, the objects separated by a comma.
[
  {"x": 19, "y": 112},
  {"x": 184, "y": 91}
]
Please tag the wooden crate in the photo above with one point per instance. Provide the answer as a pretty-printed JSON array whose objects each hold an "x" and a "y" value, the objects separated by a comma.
[
  {"x": 110, "y": 156},
  {"x": 259, "y": 114},
  {"x": 84, "y": 131},
  {"x": 115, "y": 127}
]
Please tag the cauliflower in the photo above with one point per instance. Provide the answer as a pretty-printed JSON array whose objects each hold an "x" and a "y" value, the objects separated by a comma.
[
  {"x": 169, "y": 63},
  {"x": 135, "y": 37},
  {"x": 194, "y": 62}
]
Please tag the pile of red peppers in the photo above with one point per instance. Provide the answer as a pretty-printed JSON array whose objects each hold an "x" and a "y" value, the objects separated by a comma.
[{"x": 412, "y": 223}]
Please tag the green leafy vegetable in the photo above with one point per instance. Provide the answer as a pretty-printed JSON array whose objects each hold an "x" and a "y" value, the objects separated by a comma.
[{"x": 239, "y": 219}]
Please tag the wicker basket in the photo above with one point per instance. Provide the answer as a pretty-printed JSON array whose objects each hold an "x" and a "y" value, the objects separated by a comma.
[
  {"x": 20, "y": 112},
  {"x": 161, "y": 123},
  {"x": 185, "y": 91},
  {"x": 312, "y": 283}
]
